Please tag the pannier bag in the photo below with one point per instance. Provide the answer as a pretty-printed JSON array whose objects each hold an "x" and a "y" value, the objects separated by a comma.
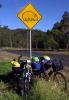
[
  {"x": 57, "y": 65},
  {"x": 36, "y": 65}
]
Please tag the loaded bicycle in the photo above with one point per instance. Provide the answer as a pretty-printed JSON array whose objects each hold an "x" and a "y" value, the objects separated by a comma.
[
  {"x": 50, "y": 69},
  {"x": 23, "y": 76}
]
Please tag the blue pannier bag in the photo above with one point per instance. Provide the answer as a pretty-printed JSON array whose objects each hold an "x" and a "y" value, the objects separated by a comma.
[
  {"x": 36, "y": 65},
  {"x": 57, "y": 65}
]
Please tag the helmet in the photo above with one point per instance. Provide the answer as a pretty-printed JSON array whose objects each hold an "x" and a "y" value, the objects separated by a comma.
[
  {"x": 35, "y": 59},
  {"x": 46, "y": 57}
]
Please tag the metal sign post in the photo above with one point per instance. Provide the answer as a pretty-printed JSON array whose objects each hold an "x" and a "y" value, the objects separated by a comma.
[{"x": 30, "y": 46}]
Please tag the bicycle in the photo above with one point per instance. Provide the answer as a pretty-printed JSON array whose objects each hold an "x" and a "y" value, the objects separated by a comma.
[
  {"x": 54, "y": 73},
  {"x": 25, "y": 81},
  {"x": 25, "y": 78},
  {"x": 21, "y": 77}
]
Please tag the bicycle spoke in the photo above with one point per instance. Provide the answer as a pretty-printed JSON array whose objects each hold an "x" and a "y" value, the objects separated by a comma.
[{"x": 60, "y": 80}]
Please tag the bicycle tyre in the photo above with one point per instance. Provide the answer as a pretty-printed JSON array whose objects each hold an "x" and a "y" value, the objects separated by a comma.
[
  {"x": 25, "y": 89},
  {"x": 26, "y": 85},
  {"x": 61, "y": 81}
]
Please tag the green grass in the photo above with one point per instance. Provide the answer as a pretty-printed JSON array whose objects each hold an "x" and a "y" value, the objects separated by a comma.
[
  {"x": 5, "y": 67},
  {"x": 41, "y": 90},
  {"x": 50, "y": 92},
  {"x": 9, "y": 95}
]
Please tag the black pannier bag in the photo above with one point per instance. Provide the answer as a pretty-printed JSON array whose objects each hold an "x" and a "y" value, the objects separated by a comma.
[{"x": 57, "y": 65}]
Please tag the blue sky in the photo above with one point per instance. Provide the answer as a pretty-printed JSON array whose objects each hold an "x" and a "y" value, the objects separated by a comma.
[{"x": 51, "y": 11}]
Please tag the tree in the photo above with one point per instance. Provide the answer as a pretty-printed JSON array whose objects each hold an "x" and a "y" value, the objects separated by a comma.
[
  {"x": 59, "y": 37},
  {"x": 5, "y": 27},
  {"x": 52, "y": 44},
  {"x": 56, "y": 25}
]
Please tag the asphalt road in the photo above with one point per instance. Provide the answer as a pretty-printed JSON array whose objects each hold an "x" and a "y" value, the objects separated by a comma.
[{"x": 64, "y": 57}]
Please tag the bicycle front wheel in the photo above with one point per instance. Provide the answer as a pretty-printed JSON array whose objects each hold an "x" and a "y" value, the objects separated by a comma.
[
  {"x": 26, "y": 86},
  {"x": 60, "y": 80}
]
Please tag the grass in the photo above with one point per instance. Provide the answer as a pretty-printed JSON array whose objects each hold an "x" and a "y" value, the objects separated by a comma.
[
  {"x": 5, "y": 67},
  {"x": 46, "y": 91},
  {"x": 9, "y": 95},
  {"x": 41, "y": 90}
]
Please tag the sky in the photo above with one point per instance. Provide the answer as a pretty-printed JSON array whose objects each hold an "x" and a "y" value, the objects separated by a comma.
[{"x": 51, "y": 11}]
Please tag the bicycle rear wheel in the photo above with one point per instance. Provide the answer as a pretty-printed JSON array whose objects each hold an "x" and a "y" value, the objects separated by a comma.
[{"x": 60, "y": 80}]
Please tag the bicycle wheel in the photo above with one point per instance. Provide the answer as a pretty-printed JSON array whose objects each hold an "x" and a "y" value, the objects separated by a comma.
[
  {"x": 26, "y": 86},
  {"x": 60, "y": 80},
  {"x": 24, "y": 89},
  {"x": 22, "y": 92}
]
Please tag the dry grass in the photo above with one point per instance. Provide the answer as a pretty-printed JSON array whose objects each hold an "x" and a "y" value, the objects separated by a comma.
[{"x": 6, "y": 56}]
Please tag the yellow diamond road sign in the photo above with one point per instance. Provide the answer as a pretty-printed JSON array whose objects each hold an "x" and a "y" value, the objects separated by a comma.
[{"x": 29, "y": 16}]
